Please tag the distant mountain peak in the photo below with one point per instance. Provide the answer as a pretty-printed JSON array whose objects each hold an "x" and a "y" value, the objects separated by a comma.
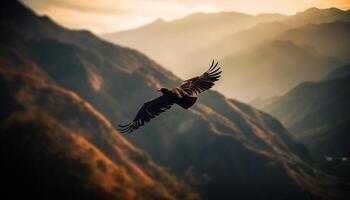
[
  {"x": 312, "y": 9},
  {"x": 330, "y": 10}
]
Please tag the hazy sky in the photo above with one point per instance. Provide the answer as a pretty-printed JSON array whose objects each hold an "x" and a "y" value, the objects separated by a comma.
[{"x": 102, "y": 16}]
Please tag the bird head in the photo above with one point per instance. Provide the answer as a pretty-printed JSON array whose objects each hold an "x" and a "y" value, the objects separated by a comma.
[{"x": 162, "y": 90}]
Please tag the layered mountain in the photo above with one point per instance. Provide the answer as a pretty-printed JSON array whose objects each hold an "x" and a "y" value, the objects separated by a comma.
[
  {"x": 172, "y": 43},
  {"x": 329, "y": 39},
  {"x": 317, "y": 113},
  {"x": 317, "y": 16},
  {"x": 272, "y": 68},
  {"x": 309, "y": 100},
  {"x": 313, "y": 41},
  {"x": 338, "y": 73},
  {"x": 299, "y": 23},
  {"x": 308, "y": 53},
  {"x": 221, "y": 147}
]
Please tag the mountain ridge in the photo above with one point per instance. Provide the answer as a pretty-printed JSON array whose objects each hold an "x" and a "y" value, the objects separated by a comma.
[
  {"x": 195, "y": 48},
  {"x": 317, "y": 115},
  {"x": 108, "y": 167},
  {"x": 185, "y": 35}
]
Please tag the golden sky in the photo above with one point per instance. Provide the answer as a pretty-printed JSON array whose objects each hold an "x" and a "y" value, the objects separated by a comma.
[{"x": 104, "y": 16}]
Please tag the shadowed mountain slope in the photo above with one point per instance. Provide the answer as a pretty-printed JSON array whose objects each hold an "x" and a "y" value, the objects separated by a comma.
[
  {"x": 317, "y": 112},
  {"x": 338, "y": 73},
  {"x": 222, "y": 147},
  {"x": 313, "y": 104},
  {"x": 56, "y": 145},
  {"x": 318, "y": 115}
]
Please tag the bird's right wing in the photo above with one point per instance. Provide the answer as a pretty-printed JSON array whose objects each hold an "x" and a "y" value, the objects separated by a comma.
[{"x": 148, "y": 111}]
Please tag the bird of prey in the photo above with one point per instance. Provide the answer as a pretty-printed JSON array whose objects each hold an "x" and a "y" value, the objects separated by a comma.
[{"x": 183, "y": 96}]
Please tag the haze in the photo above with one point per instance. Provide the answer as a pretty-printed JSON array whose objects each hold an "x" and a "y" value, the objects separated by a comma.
[{"x": 114, "y": 15}]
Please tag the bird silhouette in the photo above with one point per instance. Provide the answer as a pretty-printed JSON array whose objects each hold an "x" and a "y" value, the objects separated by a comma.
[{"x": 183, "y": 96}]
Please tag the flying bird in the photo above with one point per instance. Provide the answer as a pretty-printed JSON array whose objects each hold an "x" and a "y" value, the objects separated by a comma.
[{"x": 183, "y": 96}]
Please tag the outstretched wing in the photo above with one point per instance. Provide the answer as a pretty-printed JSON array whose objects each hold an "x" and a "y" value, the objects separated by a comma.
[
  {"x": 148, "y": 111},
  {"x": 199, "y": 84}
]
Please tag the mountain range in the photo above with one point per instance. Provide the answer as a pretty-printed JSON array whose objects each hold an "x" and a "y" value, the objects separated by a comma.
[
  {"x": 65, "y": 90},
  {"x": 274, "y": 51},
  {"x": 317, "y": 113},
  {"x": 183, "y": 37}
]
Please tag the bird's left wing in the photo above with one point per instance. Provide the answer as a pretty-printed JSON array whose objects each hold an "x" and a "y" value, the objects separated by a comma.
[
  {"x": 204, "y": 82},
  {"x": 148, "y": 111}
]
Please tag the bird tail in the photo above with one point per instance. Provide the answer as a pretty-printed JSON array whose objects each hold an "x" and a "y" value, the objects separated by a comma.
[{"x": 186, "y": 102}]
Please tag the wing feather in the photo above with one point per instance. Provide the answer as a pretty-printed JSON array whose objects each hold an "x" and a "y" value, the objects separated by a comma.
[
  {"x": 148, "y": 111},
  {"x": 199, "y": 84}
]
